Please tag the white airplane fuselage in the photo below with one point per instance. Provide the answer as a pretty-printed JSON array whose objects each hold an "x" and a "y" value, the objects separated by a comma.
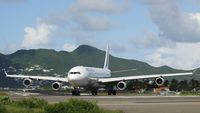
[{"x": 81, "y": 76}]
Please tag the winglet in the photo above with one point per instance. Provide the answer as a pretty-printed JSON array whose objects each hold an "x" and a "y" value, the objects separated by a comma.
[
  {"x": 106, "y": 62},
  {"x": 5, "y": 72},
  {"x": 194, "y": 72}
]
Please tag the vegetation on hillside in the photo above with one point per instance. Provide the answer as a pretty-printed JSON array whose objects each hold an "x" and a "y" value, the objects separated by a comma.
[
  {"x": 84, "y": 55},
  {"x": 23, "y": 61}
]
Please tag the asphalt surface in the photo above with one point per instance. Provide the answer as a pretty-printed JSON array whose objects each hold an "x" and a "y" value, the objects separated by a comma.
[{"x": 127, "y": 104}]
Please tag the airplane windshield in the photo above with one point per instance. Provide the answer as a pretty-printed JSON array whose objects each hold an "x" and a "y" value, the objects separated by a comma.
[{"x": 75, "y": 73}]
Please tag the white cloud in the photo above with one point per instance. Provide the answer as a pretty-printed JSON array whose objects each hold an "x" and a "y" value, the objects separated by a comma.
[
  {"x": 178, "y": 39},
  {"x": 84, "y": 18},
  {"x": 58, "y": 18},
  {"x": 195, "y": 17},
  {"x": 87, "y": 22},
  {"x": 39, "y": 36},
  {"x": 84, "y": 13},
  {"x": 118, "y": 48},
  {"x": 103, "y": 6},
  {"x": 10, "y": 48},
  {"x": 148, "y": 40},
  {"x": 69, "y": 47},
  {"x": 182, "y": 56},
  {"x": 174, "y": 24},
  {"x": 83, "y": 37}
]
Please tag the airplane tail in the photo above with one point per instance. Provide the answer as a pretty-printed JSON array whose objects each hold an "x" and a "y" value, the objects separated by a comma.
[{"x": 106, "y": 62}]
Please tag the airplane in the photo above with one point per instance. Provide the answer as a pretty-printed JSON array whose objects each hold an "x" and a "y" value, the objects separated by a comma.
[{"x": 92, "y": 78}]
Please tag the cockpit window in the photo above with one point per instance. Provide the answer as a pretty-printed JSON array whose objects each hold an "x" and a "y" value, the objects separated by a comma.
[{"x": 75, "y": 73}]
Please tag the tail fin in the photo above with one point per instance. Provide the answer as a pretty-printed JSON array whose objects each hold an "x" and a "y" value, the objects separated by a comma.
[{"x": 106, "y": 62}]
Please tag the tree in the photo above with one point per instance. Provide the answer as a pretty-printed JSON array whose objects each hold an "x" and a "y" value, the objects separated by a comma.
[
  {"x": 183, "y": 86},
  {"x": 166, "y": 83},
  {"x": 193, "y": 84},
  {"x": 173, "y": 85}
]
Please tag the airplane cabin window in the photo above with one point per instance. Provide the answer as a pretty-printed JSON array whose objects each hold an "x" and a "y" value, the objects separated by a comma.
[{"x": 75, "y": 73}]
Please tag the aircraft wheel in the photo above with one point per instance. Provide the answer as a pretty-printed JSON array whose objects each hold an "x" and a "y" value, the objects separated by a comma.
[
  {"x": 76, "y": 92},
  {"x": 112, "y": 92},
  {"x": 109, "y": 92},
  {"x": 94, "y": 92}
]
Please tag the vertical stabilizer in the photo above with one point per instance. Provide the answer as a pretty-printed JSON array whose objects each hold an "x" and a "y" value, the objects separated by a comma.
[{"x": 106, "y": 62}]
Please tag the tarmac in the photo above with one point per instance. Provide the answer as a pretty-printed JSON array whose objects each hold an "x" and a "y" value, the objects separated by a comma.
[{"x": 127, "y": 104}]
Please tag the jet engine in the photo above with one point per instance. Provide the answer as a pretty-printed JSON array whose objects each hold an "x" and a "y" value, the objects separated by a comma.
[
  {"x": 27, "y": 82},
  {"x": 56, "y": 85},
  {"x": 121, "y": 85},
  {"x": 159, "y": 81}
]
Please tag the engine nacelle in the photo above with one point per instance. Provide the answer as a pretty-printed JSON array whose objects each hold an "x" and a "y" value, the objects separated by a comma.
[
  {"x": 56, "y": 85},
  {"x": 159, "y": 81},
  {"x": 27, "y": 82},
  {"x": 121, "y": 85}
]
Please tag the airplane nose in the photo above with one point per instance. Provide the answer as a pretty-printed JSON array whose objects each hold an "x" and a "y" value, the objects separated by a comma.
[
  {"x": 77, "y": 80},
  {"x": 73, "y": 79}
]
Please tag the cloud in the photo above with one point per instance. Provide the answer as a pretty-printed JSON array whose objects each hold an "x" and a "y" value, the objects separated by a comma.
[
  {"x": 39, "y": 36},
  {"x": 84, "y": 18},
  {"x": 79, "y": 22},
  {"x": 87, "y": 22},
  {"x": 59, "y": 18},
  {"x": 182, "y": 56},
  {"x": 69, "y": 47},
  {"x": 102, "y": 6},
  {"x": 92, "y": 15},
  {"x": 82, "y": 37},
  {"x": 118, "y": 48},
  {"x": 10, "y": 48},
  {"x": 148, "y": 40},
  {"x": 178, "y": 40},
  {"x": 174, "y": 24}
]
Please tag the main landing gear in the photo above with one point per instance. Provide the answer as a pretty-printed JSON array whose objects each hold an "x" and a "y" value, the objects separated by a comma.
[{"x": 111, "y": 91}]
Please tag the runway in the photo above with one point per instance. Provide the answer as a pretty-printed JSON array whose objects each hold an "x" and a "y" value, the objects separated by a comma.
[{"x": 133, "y": 104}]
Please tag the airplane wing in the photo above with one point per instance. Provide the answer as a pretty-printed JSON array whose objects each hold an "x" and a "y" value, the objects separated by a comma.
[
  {"x": 115, "y": 79},
  {"x": 37, "y": 77}
]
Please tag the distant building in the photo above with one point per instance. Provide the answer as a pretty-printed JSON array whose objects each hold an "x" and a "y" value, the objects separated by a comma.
[{"x": 161, "y": 89}]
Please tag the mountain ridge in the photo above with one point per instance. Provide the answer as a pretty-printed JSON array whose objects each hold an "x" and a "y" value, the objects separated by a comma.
[
  {"x": 81, "y": 51},
  {"x": 49, "y": 62}
]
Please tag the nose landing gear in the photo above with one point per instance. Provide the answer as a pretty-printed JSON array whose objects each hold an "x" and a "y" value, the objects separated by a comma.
[
  {"x": 94, "y": 92},
  {"x": 76, "y": 92}
]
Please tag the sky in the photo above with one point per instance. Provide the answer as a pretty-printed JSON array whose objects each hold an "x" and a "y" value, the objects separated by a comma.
[{"x": 159, "y": 32}]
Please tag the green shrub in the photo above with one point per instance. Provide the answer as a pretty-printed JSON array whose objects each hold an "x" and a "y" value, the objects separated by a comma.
[
  {"x": 32, "y": 103},
  {"x": 3, "y": 109},
  {"x": 73, "y": 106},
  {"x": 4, "y": 100},
  {"x": 35, "y": 105}
]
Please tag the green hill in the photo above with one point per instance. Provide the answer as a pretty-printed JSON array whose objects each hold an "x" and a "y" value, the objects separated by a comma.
[{"x": 49, "y": 62}]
